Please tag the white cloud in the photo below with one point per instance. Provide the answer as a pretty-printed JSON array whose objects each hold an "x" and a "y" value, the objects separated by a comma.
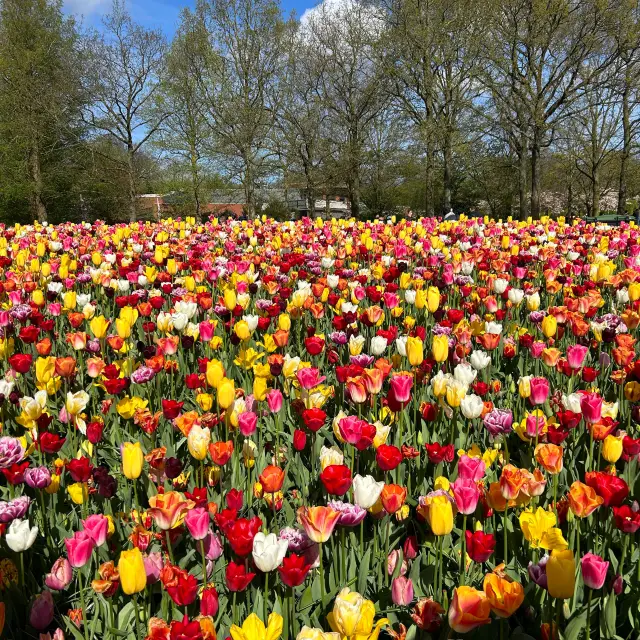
[{"x": 86, "y": 7}]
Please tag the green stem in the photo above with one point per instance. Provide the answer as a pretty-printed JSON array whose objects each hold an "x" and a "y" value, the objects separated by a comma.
[
  {"x": 588, "y": 633},
  {"x": 84, "y": 608},
  {"x": 264, "y": 601},
  {"x": 463, "y": 550},
  {"x": 504, "y": 534},
  {"x": 321, "y": 574},
  {"x": 169, "y": 549}
]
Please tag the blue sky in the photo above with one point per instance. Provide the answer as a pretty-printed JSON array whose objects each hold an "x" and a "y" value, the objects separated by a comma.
[{"x": 162, "y": 14}]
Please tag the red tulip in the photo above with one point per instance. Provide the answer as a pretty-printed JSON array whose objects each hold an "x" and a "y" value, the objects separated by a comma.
[
  {"x": 480, "y": 545},
  {"x": 336, "y": 479},
  {"x": 294, "y": 570},
  {"x": 236, "y": 577}
]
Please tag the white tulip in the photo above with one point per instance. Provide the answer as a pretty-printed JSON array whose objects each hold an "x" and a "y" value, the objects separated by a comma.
[
  {"x": 572, "y": 402},
  {"x": 366, "y": 491},
  {"x": 330, "y": 455},
  {"x": 493, "y": 327},
  {"x": 480, "y": 360},
  {"x": 179, "y": 321},
  {"x": 332, "y": 280},
  {"x": 471, "y": 406},
  {"x": 465, "y": 373},
  {"x": 516, "y": 296},
  {"x": 252, "y": 321},
  {"x": 82, "y": 299},
  {"x": 378, "y": 345},
  {"x": 622, "y": 296},
  {"x": 268, "y": 551},
  {"x": 401, "y": 345},
  {"x": 410, "y": 296},
  {"x": 500, "y": 285},
  {"x": 20, "y": 536}
]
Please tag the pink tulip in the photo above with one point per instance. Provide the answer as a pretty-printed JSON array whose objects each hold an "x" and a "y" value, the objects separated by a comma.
[
  {"x": 274, "y": 400},
  {"x": 207, "y": 329},
  {"x": 537, "y": 348},
  {"x": 79, "y": 548},
  {"x": 309, "y": 377},
  {"x": 594, "y": 570},
  {"x": 539, "y": 390},
  {"x": 212, "y": 546},
  {"x": 97, "y": 528},
  {"x": 247, "y": 423},
  {"x": 576, "y": 354},
  {"x": 401, "y": 387},
  {"x": 41, "y": 614},
  {"x": 153, "y": 565},
  {"x": 351, "y": 429},
  {"x": 467, "y": 494},
  {"x": 471, "y": 468},
  {"x": 60, "y": 576},
  {"x": 534, "y": 425},
  {"x": 197, "y": 521},
  {"x": 402, "y": 591},
  {"x": 591, "y": 405}
]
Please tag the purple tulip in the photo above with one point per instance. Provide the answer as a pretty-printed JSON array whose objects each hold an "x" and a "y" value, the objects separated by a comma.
[
  {"x": 538, "y": 572},
  {"x": 16, "y": 508},
  {"x": 11, "y": 452},
  {"x": 41, "y": 614},
  {"x": 37, "y": 477},
  {"x": 498, "y": 422},
  {"x": 153, "y": 566},
  {"x": 351, "y": 514}
]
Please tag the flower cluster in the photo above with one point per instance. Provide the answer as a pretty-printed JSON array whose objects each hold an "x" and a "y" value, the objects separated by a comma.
[{"x": 319, "y": 430}]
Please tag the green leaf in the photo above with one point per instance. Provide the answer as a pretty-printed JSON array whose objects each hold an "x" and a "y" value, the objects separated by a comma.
[
  {"x": 610, "y": 615},
  {"x": 575, "y": 627},
  {"x": 364, "y": 572}
]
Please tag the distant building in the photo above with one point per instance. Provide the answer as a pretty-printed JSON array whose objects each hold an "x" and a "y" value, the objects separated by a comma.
[{"x": 232, "y": 202}]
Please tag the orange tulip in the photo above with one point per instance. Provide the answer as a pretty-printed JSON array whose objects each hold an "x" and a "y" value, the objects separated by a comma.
[
  {"x": 469, "y": 609},
  {"x": 393, "y": 497},
  {"x": 511, "y": 482},
  {"x": 495, "y": 499},
  {"x": 272, "y": 479},
  {"x": 583, "y": 499},
  {"x": 65, "y": 367},
  {"x": 221, "y": 452},
  {"x": 504, "y": 595},
  {"x": 549, "y": 456},
  {"x": 318, "y": 522},
  {"x": 44, "y": 347},
  {"x": 167, "y": 509}
]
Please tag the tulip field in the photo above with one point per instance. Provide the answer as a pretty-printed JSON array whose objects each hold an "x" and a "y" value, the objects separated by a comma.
[{"x": 320, "y": 430}]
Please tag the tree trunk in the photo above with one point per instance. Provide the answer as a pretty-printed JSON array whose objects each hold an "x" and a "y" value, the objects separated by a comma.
[
  {"x": 249, "y": 188},
  {"x": 535, "y": 174},
  {"x": 595, "y": 192},
  {"x": 570, "y": 202},
  {"x": 38, "y": 209},
  {"x": 195, "y": 184},
  {"x": 522, "y": 177},
  {"x": 132, "y": 185},
  {"x": 428, "y": 183},
  {"x": 626, "y": 145},
  {"x": 447, "y": 153}
]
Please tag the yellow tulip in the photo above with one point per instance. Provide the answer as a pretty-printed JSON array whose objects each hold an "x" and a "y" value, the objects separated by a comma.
[
  {"x": 415, "y": 351},
  {"x": 133, "y": 577},
  {"x": 254, "y": 629},
  {"x": 353, "y": 616},
  {"x": 433, "y": 299},
  {"x": 226, "y": 393},
  {"x": 230, "y": 299},
  {"x": 260, "y": 388},
  {"x": 99, "y": 326},
  {"x": 205, "y": 401},
  {"x": 612, "y": 448},
  {"x": 197, "y": 441},
  {"x": 215, "y": 373},
  {"x": 45, "y": 370},
  {"x": 440, "y": 348},
  {"x": 634, "y": 291},
  {"x": 440, "y": 515},
  {"x": 132, "y": 460},
  {"x": 172, "y": 267},
  {"x": 38, "y": 297},
  {"x": 561, "y": 571},
  {"x": 241, "y": 329},
  {"x": 78, "y": 492},
  {"x": 549, "y": 326},
  {"x": 284, "y": 322},
  {"x": 123, "y": 328},
  {"x": 69, "y": 300}
]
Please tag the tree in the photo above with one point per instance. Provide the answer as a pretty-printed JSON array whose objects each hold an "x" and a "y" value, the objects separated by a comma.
[
  {"x": 40, "y": 97},
  {"x": 127, "y": 64},
  {"x": 237, "y": 73},
  {"x": 544, "y": 54},
  {"x": 433, "y": 58},
  {"x": 184, "y": 129}
]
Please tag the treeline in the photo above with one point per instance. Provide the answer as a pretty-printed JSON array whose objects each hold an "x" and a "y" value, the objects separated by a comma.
[{"x": 516, "y": 107}]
